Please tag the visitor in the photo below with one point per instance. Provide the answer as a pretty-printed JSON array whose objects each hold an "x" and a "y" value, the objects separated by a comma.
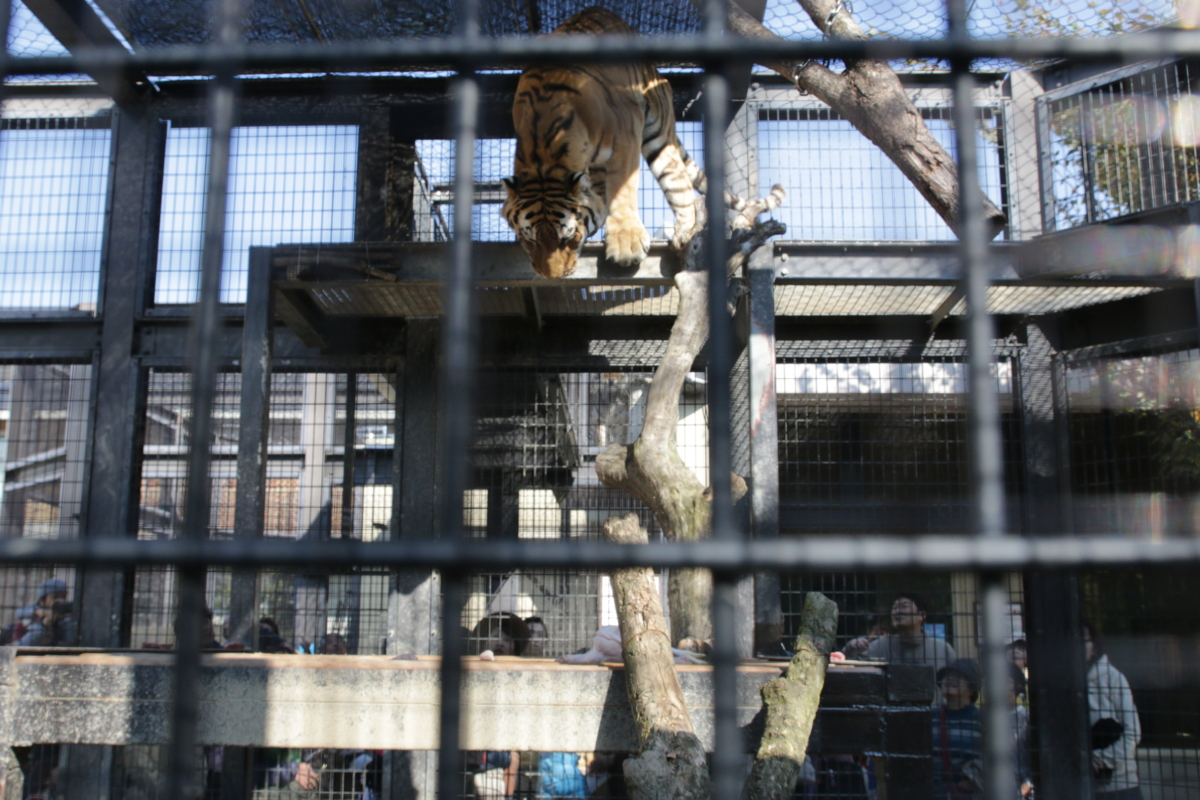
[
  {"x": 1114, "y": 724},
  {"x": 52, "y": 618},
  {"x": 908, "y": 643},
  {"x": 958, "y": 733}
]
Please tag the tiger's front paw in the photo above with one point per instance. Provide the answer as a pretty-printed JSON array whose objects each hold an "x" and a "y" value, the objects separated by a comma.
[{"x": 626, "y": 246}]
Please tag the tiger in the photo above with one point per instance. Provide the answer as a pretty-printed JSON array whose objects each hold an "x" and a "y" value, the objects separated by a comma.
[{"x": 579, "y": 132}]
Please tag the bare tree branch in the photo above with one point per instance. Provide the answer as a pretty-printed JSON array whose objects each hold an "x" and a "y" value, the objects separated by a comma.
[{"x": 869, "y": 95}]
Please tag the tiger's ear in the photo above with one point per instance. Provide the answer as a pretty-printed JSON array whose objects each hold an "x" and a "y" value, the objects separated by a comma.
[{"x": 512, "y": 186}]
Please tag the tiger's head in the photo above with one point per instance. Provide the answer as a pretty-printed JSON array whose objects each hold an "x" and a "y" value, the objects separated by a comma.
[{"x": 552, "y": 211}]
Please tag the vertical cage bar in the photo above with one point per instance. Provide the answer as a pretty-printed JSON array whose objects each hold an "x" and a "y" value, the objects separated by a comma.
[
  {"x": 237, "y": 778},
  {"x": 253, "y": 433},
  {"x": 727, "y": 748},
  {"x": 205, "y": 337},
  {"x": 459, "y": 331},
  {"x": 986, "y": 443},
  {"x": 5, "y": 22},
  {"x": 349, "y": 457}
]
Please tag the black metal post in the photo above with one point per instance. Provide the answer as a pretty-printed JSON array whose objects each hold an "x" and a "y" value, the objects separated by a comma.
[
  {"x": 764, "y": 444},
  {"x": 459, "y": 349},
  {"x": 205, "y": 336},
  {"x": 349, "y": 457},
  {"x": 250, "y": 506},
  {"x": 1057, "y": 678},
  {"x": 986, "y": 445},
  {"x": 253, "y": 433},
  {"x": 727, "y": 744}
]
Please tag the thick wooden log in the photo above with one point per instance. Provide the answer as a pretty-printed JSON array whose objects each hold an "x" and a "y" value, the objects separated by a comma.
[
  {"x": 791, "y": 702},
  {"x": 672, "y": 761}
]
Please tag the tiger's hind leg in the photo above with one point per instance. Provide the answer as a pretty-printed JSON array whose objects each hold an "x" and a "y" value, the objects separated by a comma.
[{"x": 626, "y": 241}]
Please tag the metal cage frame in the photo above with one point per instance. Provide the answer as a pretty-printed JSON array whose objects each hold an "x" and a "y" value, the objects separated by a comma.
[{"x": 990, "y": 548}]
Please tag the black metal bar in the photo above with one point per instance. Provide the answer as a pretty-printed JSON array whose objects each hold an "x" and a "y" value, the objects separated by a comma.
[
  {"x": 479, "y": 52},
  {"x": 115, "y": 476},
  {"x": 205, "y": 340},
  {"x": 349, "y": 453},
  {"x": 237, "y": 778},
  {"x": 986, "y": 443},
  {"x": 764, "y": 445},
  {"x": 253, "y": 431},
  {"x": 726, "y": 785},
  {"x": 459, "y": 348},
  {"x": 869, "y": 552}
]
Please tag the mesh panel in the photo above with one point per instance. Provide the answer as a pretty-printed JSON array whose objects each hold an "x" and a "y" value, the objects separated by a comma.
[
  {"x": 53, "y": 188},
  {"x": 311, "y": 612},
  {"x": 163, "y": 23},
  {"x": 286, "y": 184},
  {"x": 1144, "y": 625},
  {"x": 909, "y": 19},
  {"x": 1125, "y": 147},
  {"x": 879, "y": 446},
  {"x": 1133, "y": 433},
  {"x": 538, "y": 435},
  {"x": 44, "y": 410},
  {"x": 863, "y": 195}
]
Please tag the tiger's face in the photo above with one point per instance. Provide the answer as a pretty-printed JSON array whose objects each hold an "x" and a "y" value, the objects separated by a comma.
[{"x": 552, "y": 211}]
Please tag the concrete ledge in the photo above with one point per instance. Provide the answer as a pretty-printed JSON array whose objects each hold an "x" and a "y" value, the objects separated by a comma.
[{"x": 381, "y": 702}]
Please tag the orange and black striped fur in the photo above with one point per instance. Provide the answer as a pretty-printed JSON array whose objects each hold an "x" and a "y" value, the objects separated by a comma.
[{"x": 580, "y": 132}]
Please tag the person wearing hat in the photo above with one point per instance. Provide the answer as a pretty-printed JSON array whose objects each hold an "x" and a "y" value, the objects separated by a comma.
[
  {"x": 958, "y": 733},
  {"x": 50, "y": 610}
]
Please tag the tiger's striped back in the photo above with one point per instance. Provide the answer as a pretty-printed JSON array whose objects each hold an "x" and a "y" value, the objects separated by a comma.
[{"x": 581, "y": 131}]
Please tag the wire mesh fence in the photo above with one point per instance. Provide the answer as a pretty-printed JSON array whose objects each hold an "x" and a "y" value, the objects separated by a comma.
[
  {"x": 1132, "y": 462},
  {"x": 533, "y": 463},
  {"x": 870, "y": 445},
  {"x": 867, "y": 444},
  {"x": 1123, "y": 147},
  {"x": 287, "y": 184},
  {"x": 309, "y": 466},
  {"x": 53, "y": 191},
  {"x": 864, "y": 196}
]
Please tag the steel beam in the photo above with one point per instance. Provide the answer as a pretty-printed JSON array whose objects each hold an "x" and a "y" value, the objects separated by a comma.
[
  {"x": 115, "y": 469},
  {"x": 764, "y": 445},
  {"x": 79, "y": 28},
  {"x": 488, "y": 53},
  {"x": 884, "y": 552}
]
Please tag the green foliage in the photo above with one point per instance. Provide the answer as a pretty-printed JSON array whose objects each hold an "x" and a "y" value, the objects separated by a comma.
[
  {"x": 1115, "y": 154},
  {"x": 1038, "y": 18}
]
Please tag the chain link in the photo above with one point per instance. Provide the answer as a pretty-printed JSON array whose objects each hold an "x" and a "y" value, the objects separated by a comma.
[{"x": 840, "y": 6}]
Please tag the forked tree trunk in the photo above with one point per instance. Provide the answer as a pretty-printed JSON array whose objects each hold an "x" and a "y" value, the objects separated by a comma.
[
  {"x": 671, "y": 762},
  {"x": 651, "y": 469}
]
